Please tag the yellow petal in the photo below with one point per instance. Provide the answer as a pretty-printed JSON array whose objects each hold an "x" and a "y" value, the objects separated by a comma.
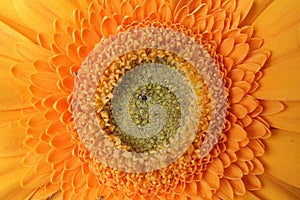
[
  {"x": 11, "y": 115},
  {"x": 287, "y": 14},
  {"x": 32, "y": 179},
  {"x": 8, "y": 38},
  {"x": 285, "y": 43},
  {"x": 61, "y": 8},
  {"x": 9, "y": 163},
  {"x": 39, "y": 79},
  {"x": 45, "y": 193},
  {"x": 9, "y": 16},
  {"x": 288, "y": 119},
  {"x": 11, "y": 139},
  {"x": 274, "y": 188},
  {"x": 281, "y": 80},
  {"x": 282, "y": 158},
  {"x": 35, "y": 15},
  {"x": 30, "y": 51},
  {"x": 10, "y": 185}
]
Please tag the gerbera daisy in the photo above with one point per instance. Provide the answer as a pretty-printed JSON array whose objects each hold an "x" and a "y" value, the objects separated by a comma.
[{"x": 149, "y": 99}]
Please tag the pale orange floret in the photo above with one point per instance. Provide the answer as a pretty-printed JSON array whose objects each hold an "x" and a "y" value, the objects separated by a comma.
[{"x": 51, "y": 159}]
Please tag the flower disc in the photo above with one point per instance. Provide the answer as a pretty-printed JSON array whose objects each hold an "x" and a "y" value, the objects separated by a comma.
[{"x": 150, "y": 113}]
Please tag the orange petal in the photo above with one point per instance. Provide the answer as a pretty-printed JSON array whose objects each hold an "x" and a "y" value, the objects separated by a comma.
[
  {"x": 274, "y": 188},
  {"x": 233, "y": 172},
  {"x": 149, "y": 7},
  {"x": 257, "y": 147},
  {"x": 243, "y": 166},
  {"x": 62, "y": 40},
  {"x": 256, "y": 129},
  {"x": 284, "y": 18},
  {"x": 188, "y": 21},
  {"x": 283, "y": 44},
  {"x": 280, "y": 81},
  {"x": 271, "y": 107},
  {"x": 108, "y": 26},
  {"x": 225, "y": 191},
  {"x": 288, "y": 119},
  {"x": 252, "y": 182},
  {"x": 200, "y": 11},
  {"x": 226, "y": 46},
  {"x": 61, "y": 141},
  {"x": 239, "y": 111},
  {"x": 236, "y": 94},
  {"x": 246, "y": 86},
  {"x": 232, "y": 146},
  {"x": 165, "y": 12},
  {"x": 236, "y": 74},
  {"x": 243, "y": 7},
  {"x": 258, "y": 168},
  {"x": 58, "y": 156},
  {"x": 249, "y": 102},
  {"x": 212, "y": 179},
  {"x": 248, "y": 195},
  {"x": 60, "y": 59},
  {"x": 236, "y": 133},
  {"x": 191, "y": 188},
  {"x": 239, "y": 53},
  {"x": 245, "y": 154},
  {"x": 126, "y": 9},
  {"x": 238, "y": 187},
  {"x": 282, "y": 157},
  {"x": 253, "y": 67},
  {"x": 225, "y": 159},
  {"x": 89, "y": 37},
  {"x": 183, "y": 11},
  {"x": 42, "y": 66}
]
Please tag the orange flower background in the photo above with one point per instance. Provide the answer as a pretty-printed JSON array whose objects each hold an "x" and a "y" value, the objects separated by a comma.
[{"x": 255, "y": 45}]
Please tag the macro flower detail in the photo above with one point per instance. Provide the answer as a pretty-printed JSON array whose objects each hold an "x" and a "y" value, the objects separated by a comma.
[{"x": 131, "y": 99}]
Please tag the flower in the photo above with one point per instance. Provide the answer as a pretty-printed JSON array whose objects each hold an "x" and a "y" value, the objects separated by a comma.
[{"x": 252, "y": 44}]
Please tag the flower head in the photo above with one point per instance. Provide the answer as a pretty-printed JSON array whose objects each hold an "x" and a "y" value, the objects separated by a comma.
[{"x": 147, "y": 99}]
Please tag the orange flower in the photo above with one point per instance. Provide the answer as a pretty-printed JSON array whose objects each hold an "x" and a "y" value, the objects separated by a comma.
[{"x": 253, "y": 45}]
